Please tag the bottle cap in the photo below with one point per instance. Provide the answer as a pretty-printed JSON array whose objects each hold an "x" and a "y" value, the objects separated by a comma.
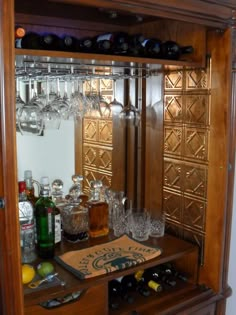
[
  {"x": 44, "y": 180},
  {"x": 27, "y": 174},
  {"x": 21, "y": 186},
  {"x": 19, "y": 32}
]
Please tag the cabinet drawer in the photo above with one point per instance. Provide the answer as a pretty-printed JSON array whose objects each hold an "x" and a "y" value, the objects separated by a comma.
[{"x": 92, "y": 302}]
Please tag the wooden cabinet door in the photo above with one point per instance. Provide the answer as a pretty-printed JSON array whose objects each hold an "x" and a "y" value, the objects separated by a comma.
[{"x": 11, "y": 294}]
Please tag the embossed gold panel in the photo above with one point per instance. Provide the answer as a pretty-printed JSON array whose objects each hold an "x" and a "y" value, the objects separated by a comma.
[
  {"x": 97, "y": 136},
  {"x": 186, "y": 138}
]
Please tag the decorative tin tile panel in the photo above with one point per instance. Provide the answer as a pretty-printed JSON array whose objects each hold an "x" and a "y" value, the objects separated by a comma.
[
  {"x": 172, "y": 140},
  {"x": 105, "y": 159},
  {"x": 172, "y": 206},
  {"x": 196, "y": 143},
  {"x": 105, "y": 131},
  {"x": 195, "y": 180},
  {"x": 97, "y": 135},
  {"x": 186, "y": 137},
  {"x": 172, "y": 174},
  {"x": 194, "y": 214},
  {"x": 173, "y": 108},
  {"x": 196, "y": 79},
  {"x": 174, "y": 80},
  {"x": 90, "y": 129},
  {"x": 197, "y": 109}
]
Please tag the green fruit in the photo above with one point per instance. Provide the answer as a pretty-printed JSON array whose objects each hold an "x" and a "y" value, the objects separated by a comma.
[{"x": 45, "y": 268}]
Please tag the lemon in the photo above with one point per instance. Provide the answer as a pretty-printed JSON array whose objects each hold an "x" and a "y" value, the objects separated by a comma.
[
  {"x": 28, "y": 273},
  {"x": 45, "y": 268}
]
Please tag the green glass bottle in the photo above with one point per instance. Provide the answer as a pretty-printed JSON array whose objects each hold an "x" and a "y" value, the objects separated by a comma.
[{"x": 45, "y": 221}]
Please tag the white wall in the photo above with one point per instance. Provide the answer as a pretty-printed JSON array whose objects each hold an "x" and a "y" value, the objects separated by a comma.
[{"x": 50, "y": 155}]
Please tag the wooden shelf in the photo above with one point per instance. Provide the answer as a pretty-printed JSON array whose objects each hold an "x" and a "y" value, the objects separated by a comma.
[
  {"x": 27, "y": 55},
  {"x": 173, "y": 249}
]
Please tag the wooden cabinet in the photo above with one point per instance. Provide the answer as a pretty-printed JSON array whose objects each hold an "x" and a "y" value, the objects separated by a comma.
[{"x": 211, "y": 35}]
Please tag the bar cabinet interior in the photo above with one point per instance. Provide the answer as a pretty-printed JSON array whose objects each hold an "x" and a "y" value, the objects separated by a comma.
[{"x": 191, "y": 173}]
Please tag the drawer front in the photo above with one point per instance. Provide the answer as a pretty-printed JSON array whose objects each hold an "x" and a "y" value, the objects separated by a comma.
[{"x": 92, "y": 302}]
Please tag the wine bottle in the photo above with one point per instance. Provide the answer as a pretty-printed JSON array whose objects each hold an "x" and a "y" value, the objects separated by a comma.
[
  {"x": 152, "y": 48},
  {"x": 68, "y": 43},
  {"x": 172, "y": 50},
  {"x": 162, "y": 275},
  {"x": 19, "y": 31},
  {"x": 45, "y": 221},
  {"x": 129, "y": 282},
  {"x": 146, "y": 277},
  {"x": 50, "y": 41},
  {"x": 135, "y": 45},
  {"x": 84, "y": 44},
  {"x": 119, "y": 42},
  {"x": 30, "y": 40},
  {"x": 102, "y": 44},
  {"x": 116, "y": 292}
]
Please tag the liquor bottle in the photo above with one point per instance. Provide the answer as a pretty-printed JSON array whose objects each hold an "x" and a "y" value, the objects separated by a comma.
[
  {"x": 59, "y": 201},
  {"x": 145, "y": 276},
  {"x": 97, "y": 210},
  {"x": 30, "y": 40},
  {"x": 152, "y": 47},
  {"x": 27, "y": 231},
  {"x": 75, "y": 191},
  {"x": 45, "y": 221},
  {"x": 172, "y": 50},
  {"x": 135, "y": 45},
  {"x": 30, "y": 192}
]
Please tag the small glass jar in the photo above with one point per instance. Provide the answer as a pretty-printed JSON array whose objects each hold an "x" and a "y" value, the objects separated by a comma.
[{"x": 74, "y": 222}]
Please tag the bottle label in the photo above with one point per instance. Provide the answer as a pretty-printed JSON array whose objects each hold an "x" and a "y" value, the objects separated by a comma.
[
  {"x": 57, "y": 228},
  {"x": 138, "y": 275},
  {"x": 50, "y": 224},
  {"x": 144, "y": 42},
  {"x": 27, "y": 236},
  {"x": 154, "y": 285},
  {"x": 104, "y": 37}
]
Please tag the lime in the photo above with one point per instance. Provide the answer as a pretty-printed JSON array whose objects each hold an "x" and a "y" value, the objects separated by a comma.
[
  {"x": 28, "y": 273},
  {"x": 45, "y": 268}
]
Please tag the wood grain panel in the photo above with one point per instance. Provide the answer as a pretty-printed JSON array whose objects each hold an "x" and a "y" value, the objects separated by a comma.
[{"x": 11, "y": 297}]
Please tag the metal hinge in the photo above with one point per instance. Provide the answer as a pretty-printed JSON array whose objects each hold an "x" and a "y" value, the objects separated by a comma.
[{"x": 2, "y": 203}]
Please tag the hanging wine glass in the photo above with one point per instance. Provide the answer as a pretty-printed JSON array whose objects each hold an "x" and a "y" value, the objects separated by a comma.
[
  {"x": 59, "y": 104},
  {"x": 51, "y": 117},
  {"x": 35, "y": 99},
  {"x": 29, "y": 117},
  {"x": 78, "y": 99},
  {"x": 115, "y": 106},
  {"x": 19, "y": 102},
  {"x": 103, "y": 105},
  {"x": 93, "y": 100},
  {"x": 129, "y": 114}
]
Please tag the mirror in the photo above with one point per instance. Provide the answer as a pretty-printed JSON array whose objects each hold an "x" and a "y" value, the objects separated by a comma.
[{"x": 95, "y": 144}]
